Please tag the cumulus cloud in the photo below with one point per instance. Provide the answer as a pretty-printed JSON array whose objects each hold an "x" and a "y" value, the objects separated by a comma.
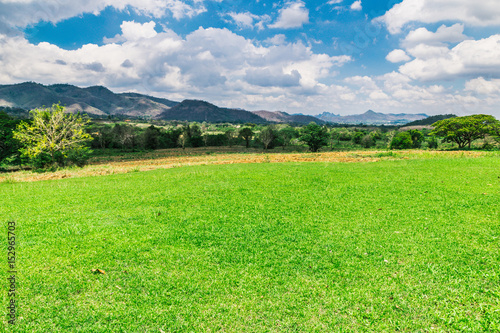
[
  {"x": 266, "y": 78},
  {"x": 470, "y": 58},
  {"x": 396, "y": 93},
  {"x": 482, "y": 86},
  {"x": 249, "y": 20},
  {"x": 293, "y": 15},
  {"x": 444, "y": 34},
  {"x": 202, "y": 64},
  {"x": 133, "y": 31},
  {"x": 475, "y": 13},
  {"x": 21, "y": 13},
  {"x": 396, "y": 56},
  {"x": 276, "y": 39},
  {"x": 356, "y": 5}
]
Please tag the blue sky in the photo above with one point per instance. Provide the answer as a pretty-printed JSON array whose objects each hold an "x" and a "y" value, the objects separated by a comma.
[{"x": 339, "y": 56}]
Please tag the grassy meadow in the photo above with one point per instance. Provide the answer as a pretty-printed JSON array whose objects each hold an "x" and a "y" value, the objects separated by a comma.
[{"x": 394, "y": 244}]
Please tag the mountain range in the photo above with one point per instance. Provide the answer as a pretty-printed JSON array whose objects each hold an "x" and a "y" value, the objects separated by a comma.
[
  {"x": 95, "y": 101},
  {"x": 372, "y": 118},
  {"x": 98, "y": 101}
]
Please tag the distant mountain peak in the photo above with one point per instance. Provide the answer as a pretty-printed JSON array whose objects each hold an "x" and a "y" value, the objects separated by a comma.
[
  {"x": 198, "y": 110},
  {"x": 95, "y": 100},
  {"x": 283, "y": 117},
  {"x": 371, "y": 117}
]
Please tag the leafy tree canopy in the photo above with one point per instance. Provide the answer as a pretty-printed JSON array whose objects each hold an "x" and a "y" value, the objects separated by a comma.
[
  {"x": 314, "y": 136},
  {"x": 268, "y": 135},
  {"x": 464, "y": 130},
  {"x": 401, "y": 140},
  {"x": 54, "y": 137},
  {"x": 247, "y": 134}
]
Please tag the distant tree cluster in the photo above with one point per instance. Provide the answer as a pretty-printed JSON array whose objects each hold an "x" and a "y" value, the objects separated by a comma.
[{"x": 53, "y": 138}]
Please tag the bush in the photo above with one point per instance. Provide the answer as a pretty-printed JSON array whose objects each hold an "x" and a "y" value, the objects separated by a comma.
[
  {"x": 344, "y": 135},
  {"x": 357, "y": 137},
  {"x": 432, "y": 142},
  {"x": 367, "y": 141},
  {"x": 417, "y": 138},
  {"x": 401, "y": 140},
  {"x": 314, "y": 136},
  {"x": 79, "y": 157}
]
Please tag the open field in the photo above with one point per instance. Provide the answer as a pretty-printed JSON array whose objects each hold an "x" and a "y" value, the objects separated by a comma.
[
  {"x": 107, "y": 164},
  {"x": 407, "y": 243}
]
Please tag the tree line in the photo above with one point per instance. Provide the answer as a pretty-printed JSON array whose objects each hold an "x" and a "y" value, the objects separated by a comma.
[{"x": 53, "y": 138}]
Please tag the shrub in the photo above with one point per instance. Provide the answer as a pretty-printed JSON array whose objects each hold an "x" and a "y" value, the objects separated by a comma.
[
  {"x": 367, "y": 141},
  {"x": 357, "y": 137},
  {"x": 401, "y": 140},
  {"x": 432, "y": 142}
]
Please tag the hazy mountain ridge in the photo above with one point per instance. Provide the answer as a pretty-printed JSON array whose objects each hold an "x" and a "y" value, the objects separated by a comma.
[
  {"x": 96, "y": 100},
  {"x": 283, "y": 117},
  {"x": 99, "y": 101},
  {"x": 372, "y": 118}
]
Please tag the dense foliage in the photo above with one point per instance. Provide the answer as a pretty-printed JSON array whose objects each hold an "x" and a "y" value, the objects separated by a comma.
[
  {"x": 464, "y": 130},
  {"x": 314, "y": 136},
  {"x": 136, "y": 135},
  {"x": 430, "y": 120},
  {"x": 9, "y": 146},
  {"x": 401, "y": 140},
  {"x": 53, "y": 137}
]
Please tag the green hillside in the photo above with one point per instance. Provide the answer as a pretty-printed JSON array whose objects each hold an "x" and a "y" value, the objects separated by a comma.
[{"x": 430, "y": 120}]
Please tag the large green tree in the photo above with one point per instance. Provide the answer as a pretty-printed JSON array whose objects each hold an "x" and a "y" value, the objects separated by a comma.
[
  {"x": 287, "y": 134},
  {"x": 246, "y": 133},
  {"x": 314, "y": 136},
  {"x": 402, "y": 140},
  {"x": 464, "y": 130},
  {"x": 54, "y": 137},
  {"x": 268, "y": 135}
]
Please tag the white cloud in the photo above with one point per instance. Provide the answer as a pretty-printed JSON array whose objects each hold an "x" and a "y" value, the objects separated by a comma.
[
  {"x": 470, "y": 58},
  {"x": 244, "y": 20},
  {"x": 356, "y": 5},
  {"x": 366, "y": 83},
  {"x": 201, "y": 65},
  {"x": 444, "y": 34},
  {"x": 293, "y": 15},
  {"x": 249, "y": 20},
  {"x": 482, "y": 86},
  {"x": 20, "y": 13},
  {"x": 134, "y": 31},
  {"x": 397, "y": 56},
  {"x": 425, "y": 52},
  {"x": 276, "y": 39},
  {"x": 476, "y": 13},
  {"x": 379, "y": 95},
  {"x": 333, "y": 2}
]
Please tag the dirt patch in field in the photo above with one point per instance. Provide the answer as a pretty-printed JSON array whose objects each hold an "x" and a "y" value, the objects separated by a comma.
[{"x": 172, "y": 159}]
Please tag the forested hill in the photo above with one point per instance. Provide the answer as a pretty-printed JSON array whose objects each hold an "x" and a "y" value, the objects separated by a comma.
[
  {"x": 100, "y": 102},
  {"x": 195, "y": 110},
  {"x": 430, "y": 120},
  {"x": 95, "y": 101}
]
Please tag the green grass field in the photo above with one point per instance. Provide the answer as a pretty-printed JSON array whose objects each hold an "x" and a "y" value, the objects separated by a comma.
[{"x": 395, "y": 245}]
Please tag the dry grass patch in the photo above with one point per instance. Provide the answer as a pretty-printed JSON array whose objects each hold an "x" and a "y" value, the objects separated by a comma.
[{"x": 173, "y": 158}]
